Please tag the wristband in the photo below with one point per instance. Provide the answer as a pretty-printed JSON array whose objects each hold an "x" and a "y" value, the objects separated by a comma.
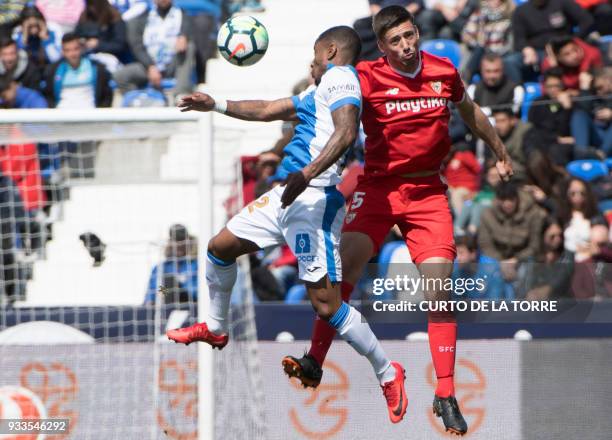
[{"x": 220, "y": 106}]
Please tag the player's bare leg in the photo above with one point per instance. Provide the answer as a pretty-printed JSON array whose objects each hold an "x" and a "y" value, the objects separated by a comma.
[
  {"x": 356, "y": 250},
  {"x": 347, "y": 321},
  {"x": 221, "y": 270},
  {"x": 442, "y": 330}
]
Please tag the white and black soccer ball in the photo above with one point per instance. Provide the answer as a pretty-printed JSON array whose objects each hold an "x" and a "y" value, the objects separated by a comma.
[{"x": 242, "y": 40}]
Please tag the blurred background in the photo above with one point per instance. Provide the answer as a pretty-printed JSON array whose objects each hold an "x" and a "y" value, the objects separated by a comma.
[{"x": 103, "y": 216}]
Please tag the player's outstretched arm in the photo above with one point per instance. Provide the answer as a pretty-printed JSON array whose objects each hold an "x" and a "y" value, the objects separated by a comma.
[
  {"x": 259, "y": 110},
  {"x": 346, "y": 128},
  {"x": 479, "y": 124}
]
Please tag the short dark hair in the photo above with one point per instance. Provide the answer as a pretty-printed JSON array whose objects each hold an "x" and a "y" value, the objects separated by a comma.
[
  {"x": 6, "y": 42},
  {"x": 70, "y": 36},
  {"x": 469, "y": 241},
  {"x": 503, "y": 110},
  {"x": 558, "y": 43},
  {"x": 553, "y": 72},
  {"x": 346, "y": 39},
  {"x": 491, "y": 57},
  {"x": 388, "y": 18},
  {"x": 506, "y": 191}
]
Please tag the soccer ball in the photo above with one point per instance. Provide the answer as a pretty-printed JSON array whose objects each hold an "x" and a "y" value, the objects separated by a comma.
[{"x": 242, "y": 40}]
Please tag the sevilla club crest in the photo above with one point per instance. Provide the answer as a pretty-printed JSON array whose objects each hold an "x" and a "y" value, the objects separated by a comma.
[{"x": 436, "y": 86}]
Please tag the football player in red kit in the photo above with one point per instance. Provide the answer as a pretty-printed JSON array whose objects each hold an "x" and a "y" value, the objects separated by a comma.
[{"x": 405, "y": 117}]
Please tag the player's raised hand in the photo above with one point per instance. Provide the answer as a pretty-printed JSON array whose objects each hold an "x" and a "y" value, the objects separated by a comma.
[
  {"x": 295, "y": 184},
  {"x": 200, "y": 102},
  {"x": 504, "y": 168}
]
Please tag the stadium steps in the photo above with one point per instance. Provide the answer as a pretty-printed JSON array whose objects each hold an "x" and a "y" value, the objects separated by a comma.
[{"x": 132, "y": 220}]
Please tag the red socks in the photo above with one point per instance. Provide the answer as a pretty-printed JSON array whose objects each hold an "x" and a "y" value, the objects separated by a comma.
[
  {"x": 442, "y": 330},
  {"x": 323, "y": 333}
]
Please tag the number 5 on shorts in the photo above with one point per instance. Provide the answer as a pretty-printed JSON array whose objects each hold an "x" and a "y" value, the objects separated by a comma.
[{"x": 357, "y": 200}]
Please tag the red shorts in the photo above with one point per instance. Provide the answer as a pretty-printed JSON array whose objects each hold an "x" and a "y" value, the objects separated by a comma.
[{"x": 417, "y": 205}]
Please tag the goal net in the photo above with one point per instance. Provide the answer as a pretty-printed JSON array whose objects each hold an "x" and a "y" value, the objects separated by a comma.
[{"x": 105, "y": 216}]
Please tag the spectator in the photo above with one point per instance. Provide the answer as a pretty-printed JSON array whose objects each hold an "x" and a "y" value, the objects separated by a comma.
[
  {"x": 15, "y": 62},
  {"x": 573, "y": 56},
  {"x": 445, "y": 18},
  {"x": 593, "y": 276},
  {"x": 601, "y": 12},
  {"x": 468, "y": 221},
  {"x": 550, "y": 116},
  {"x": 76, "y": 81},
  {"x": 462, "y": 173},
  {"x": 512, "y": 131},
  {"x": 488, "y": 31},
  {"x": 545, "y": 181},
  {"x": 63, "y": 13},
  {"x": 40, "y": 41},
  {"x": 10, "y": 207},
  {"x": 550, "y": 276},
  {"x": 104, "y": 32},
  {"x": 591, "y": 122},
  {"x": 177, "y": 276},
  {"x": 496, "y": 90},
  {"x": 159, "y": 42},
  {"x": 510, "y": 232},
  {"x": 204, "y": 16},
  {"x": 130, "y": 8},
  {"x": 575, "y": 214},
  {"x": 536, "y": 22},
  {"x": 9, "y": 15},
  {"x": 12, "y": 95},
  {"x": 19, "y": 162},
  {"x": 466, "y": 266}
]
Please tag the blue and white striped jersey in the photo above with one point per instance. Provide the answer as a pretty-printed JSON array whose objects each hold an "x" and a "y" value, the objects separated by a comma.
[{"x": 339, "y": 86}]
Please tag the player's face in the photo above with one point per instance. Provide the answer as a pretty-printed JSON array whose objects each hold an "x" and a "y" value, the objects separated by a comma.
[
  {"x": 492, "y": 72},
  {"x": 320, "y": 61},
  {"x": 570, "y": 55},
  {"x": 400, "y": 44}
]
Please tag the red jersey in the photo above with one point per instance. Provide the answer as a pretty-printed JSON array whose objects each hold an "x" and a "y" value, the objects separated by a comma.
[{"x": 405, "y": 116}]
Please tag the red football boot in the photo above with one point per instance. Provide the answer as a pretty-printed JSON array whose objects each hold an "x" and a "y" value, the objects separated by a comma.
[
  {"x": 395, "y": 393},
  {"x": 197, "y": 332}
]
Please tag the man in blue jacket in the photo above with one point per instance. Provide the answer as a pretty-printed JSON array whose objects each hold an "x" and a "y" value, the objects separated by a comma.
[
  {"x": 12, "y": 95},
  {"x": 75, "y": 81}
]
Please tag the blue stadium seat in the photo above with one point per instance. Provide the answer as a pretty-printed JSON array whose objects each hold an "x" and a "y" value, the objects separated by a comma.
[
  {"x": 144, "y": 98},
  {"x": 588, "y": 170},
  {"x": 444, "y": 48},
  {"x": 533, "y": 90}
]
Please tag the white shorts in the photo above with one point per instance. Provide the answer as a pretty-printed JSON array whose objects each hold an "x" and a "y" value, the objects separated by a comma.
[{"x": 311, "y": 226}]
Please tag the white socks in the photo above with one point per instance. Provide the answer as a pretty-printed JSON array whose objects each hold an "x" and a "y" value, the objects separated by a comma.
[
  {"x": 354, "y": 330},
  {"x": 220, "y": 277}
]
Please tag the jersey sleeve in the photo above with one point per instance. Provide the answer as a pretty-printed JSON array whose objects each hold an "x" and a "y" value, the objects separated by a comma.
[
  {"x": 339, "y": 87},
  {"x": 457, "y": 88},
  {"x": 296, "y": 99}
]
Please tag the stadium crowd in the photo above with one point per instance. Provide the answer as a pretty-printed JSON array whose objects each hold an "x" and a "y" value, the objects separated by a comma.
[{"x": 540, "y": 69}]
